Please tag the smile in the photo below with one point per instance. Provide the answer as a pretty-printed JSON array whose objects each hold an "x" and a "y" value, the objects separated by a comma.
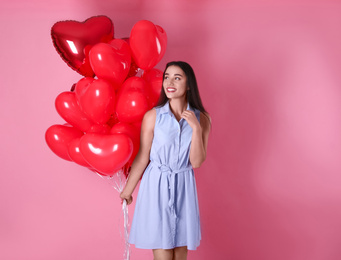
[{"x": 171, "y": 89}]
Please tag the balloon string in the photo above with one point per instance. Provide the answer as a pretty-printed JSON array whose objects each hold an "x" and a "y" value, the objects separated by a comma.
[
  {"x": 126, "y": 233},
  {"x": 118, "y": 185}
]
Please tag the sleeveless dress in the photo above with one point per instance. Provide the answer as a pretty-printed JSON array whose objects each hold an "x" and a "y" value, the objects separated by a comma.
[{"x": 167, "y": 211}]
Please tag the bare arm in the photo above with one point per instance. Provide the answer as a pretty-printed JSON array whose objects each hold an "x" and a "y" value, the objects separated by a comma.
[
  {"x": 200, "y": 135},
  {"x": 142, "y": 158}
]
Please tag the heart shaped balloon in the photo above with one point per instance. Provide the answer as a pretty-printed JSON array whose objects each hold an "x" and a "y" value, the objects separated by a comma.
[
  {"x": 111, "y": 61},
  {"x": 75, "y": 154},
  {"x": 58, "y": 138},
  {"x": 73, "y": 40},
  {"x": 148, "y": 44},
  {"x": 134, "y": 83},
  {"x": 132, "y": 103},
  {"x": 154, "y": 79},
  {"x": 132, "y": 132},
  {"x": 97, "y": 100},
  {"x": 67, "y": 107},
  {"x": 106, "y": 153},
  {"x": 82, "y": 85}
]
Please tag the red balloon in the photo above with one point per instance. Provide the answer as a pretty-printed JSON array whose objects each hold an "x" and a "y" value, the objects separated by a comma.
[
  {"x": 154, "y": 79},
  {"x": 100, "y": 129},
  {"x": 128, "y": 129},
  {"x": 133, "y": 83},
  {"x": 75, "y": 154},
  {"x": 133, "y": 67},
  {"x": 137, "y": 125},
  {"x": 67, "y": 107},
  {"x": 111, "y": 61},
  {"x": 106, "y": 153},
  {"x": 132, "y": 103},
  {"x": 82, "y": 85},
  {"x": 132, "y": 132},
  {"x": 73, "y": 40},
  {"x": 97, "y": 101},
  {"x": 148, "y": 44},
  {"x": 58, "y": 138}
]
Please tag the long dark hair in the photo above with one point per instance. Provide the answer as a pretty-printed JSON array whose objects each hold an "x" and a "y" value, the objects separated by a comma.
[{"x": 193, "y": 96}]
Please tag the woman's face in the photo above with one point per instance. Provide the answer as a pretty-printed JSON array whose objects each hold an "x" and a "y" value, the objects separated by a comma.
[{"x": 175, "y": 82}]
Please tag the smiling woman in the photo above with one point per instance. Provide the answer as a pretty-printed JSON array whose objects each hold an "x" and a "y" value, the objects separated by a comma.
[
  {"x": 174, "y": 83},
  {"x": 174, "y": 139}
]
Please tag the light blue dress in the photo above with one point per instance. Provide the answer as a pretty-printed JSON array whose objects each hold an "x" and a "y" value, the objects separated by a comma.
[{"x": 167, "y": 211}]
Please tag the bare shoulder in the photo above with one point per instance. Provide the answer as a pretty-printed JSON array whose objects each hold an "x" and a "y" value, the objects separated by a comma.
[
  {"x": 150, "y": 114},
  {"x": 149, "y": 118},
  {"x": 205, "y": 121}
]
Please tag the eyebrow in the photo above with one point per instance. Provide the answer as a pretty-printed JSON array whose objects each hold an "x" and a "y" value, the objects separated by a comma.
[{"x": 174, "y": 74}]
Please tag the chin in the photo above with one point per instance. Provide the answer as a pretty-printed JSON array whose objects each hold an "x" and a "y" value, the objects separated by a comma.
[{"x": 176, "y": 96}]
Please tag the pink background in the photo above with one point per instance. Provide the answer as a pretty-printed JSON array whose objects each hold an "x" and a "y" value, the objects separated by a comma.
[{"x": 269, "y": 74}]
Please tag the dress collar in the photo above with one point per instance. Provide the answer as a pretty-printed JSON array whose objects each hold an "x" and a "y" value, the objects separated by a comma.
[{"x": 166, "y": 108}]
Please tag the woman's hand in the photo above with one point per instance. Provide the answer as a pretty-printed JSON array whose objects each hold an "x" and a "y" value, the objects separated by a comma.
[
  {"x": 128, "y": 198},
  {"x": 191, "y": 119}
]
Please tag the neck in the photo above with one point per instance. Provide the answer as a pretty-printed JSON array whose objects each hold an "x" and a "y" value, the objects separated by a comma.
[{"x": 178, "y": 106}]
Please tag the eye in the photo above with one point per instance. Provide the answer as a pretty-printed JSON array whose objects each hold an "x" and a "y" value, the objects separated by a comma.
[
  {"x": 166, "y": 77},
  {"x": 177, "y": 78}
]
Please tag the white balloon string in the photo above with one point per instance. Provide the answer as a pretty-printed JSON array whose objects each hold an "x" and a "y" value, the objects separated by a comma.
[
  {"x": 126, "y": 232},
  {"x": 118, "y": 184}
]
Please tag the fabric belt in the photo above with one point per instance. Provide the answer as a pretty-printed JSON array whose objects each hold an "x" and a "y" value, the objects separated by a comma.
[{"x": 171, "y": 181}]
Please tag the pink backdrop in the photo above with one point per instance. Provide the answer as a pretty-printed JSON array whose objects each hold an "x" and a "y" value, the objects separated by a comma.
[{"x": 269, "y": 74}]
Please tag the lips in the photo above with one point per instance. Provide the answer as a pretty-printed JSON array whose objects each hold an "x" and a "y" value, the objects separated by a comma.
[{"x": 169, "y": 89}]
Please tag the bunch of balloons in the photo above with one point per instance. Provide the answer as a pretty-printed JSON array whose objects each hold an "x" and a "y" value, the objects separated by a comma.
[{"x": 104, "y": 109}]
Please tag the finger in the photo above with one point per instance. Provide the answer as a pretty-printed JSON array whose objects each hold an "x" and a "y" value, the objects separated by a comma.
[
  {"x": 185, "y": 115},
  {"x": 188, "y": 114}
]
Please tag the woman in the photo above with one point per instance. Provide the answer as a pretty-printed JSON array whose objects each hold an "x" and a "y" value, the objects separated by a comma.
[{"x": 174, "y": 137}]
